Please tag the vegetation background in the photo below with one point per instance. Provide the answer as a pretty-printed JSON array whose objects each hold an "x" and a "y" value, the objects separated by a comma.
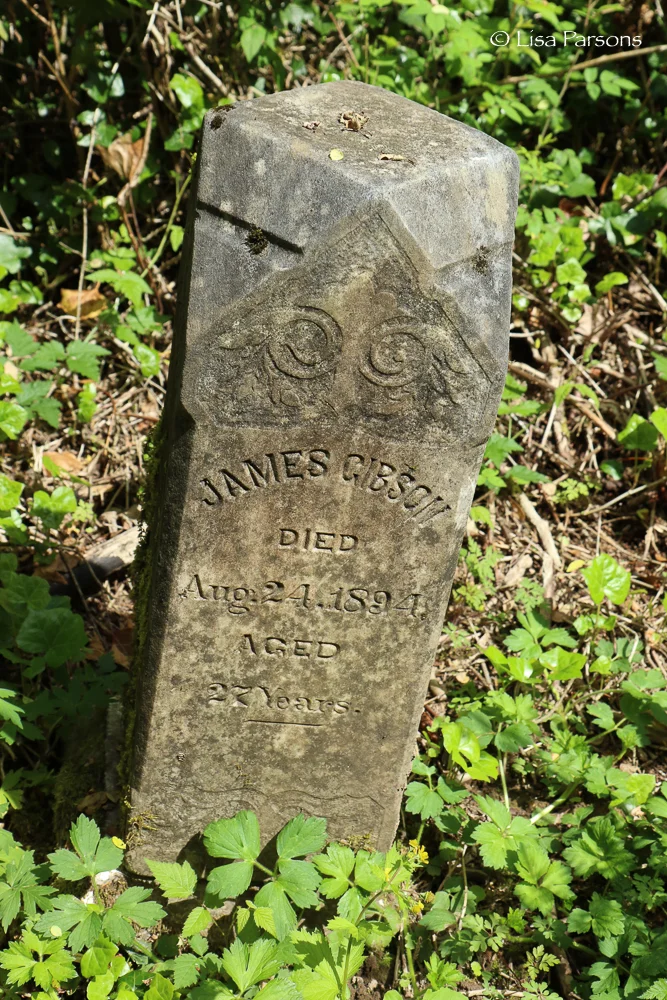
[{"x": 531, "y": 861}]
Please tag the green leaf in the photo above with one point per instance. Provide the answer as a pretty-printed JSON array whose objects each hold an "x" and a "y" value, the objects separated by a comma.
[
  {"x": 638, "y": 434},
  {"x": 12, "y": 419},
  {"x": 336, "y": 865},
  {"x": 148, "y": 359},
  {"x": 234, "y": 838},
  {"x": 11, "y": 254},
  {"x": 252, "y": 39},
  {"x": 126, "y": 283},
  {"x": 82, "y": 357},
  {"x": 230, "y": 881},
  {"x": 46, "y": 357},
  {"x": 176, "y": 881},
  {"x": 188, "y": 90},
  {"x": 610, "y": 281},
  {"x": 135, "y": 904},
  {"x": 100, "y": 987},
  {"x": 300, "y": 880},
  {"x": 95, "y": 961},
  {"x": 606, "y": 578},
  {"x": 606, "y": 916},
  {"x": 599, "y": 849},
  {"x": 10, "y": 493},
  {"x": 660, "y": 363},
  {"x": 302, "y": 836},
  {"x": 198, "y": 920},
  {"x": 56, "y": 632},
  {"x": 659, "y": 419},
  {"x": 87, "y": 406},
  {"x": 570, "y": 273},
  {"x": 275, "y": 898},
  {"x": 422, "y": 800},
  {"x": 160, "y": 989},
  {"x": 499, "y": 447},
  {"x": 186, "y": 970},
  {"x": 52, "y": 508},
  {"x": 247, "y": 965}
]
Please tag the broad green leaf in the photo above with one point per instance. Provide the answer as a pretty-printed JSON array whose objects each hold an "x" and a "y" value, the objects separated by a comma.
[
  {"x": 275, "y": 898},
  {"x": 100, "y": 987},
  {"x": 300, "y": 880},
  {"x": 234, "y": 838},
  {"x": 197, "y": 920},
  {"x": 638, "y": 434},
  {"x": 188, "y": 90},
  {"x": 10, "y": 493},
  {"x": 58, "y": 633},
  {"x": 176, "y": 881},
  {"x": 95, "y": 961},
  {"x": 186, "y": 970},
  {"x": 302, "y": 836},
  {"x": 252, "y": 39},
  {"x": 336, "y": 865},
  {"x": 659, "y": 419},
  {"x": 230, "y": 881},
  {"x": 610, "y": 281},
  {"x": 247, "y": 965},
  {"x": 12, "y": 252},
  {"x": 606, "y": 578},
  {"x": 160, "y": 988},
  {"x": 13, "y": 419},
  {"x": 52, "y": 508},
  {"x": 135, "y": 904},
  {"x": 47, "y": 357},
  {"x": 422, "y": 800},
  {"x": 127, "y": 283}
]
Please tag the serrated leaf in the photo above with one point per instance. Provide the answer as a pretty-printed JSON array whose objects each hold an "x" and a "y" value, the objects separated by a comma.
[
  {"x": 95, "y": 961},
  {"x": 606, "y": 578},
  {"x": 300, "y": 880},
  {"x": 247, "y": 965},
  {"x": 230, "y": 881},
  {"x": 275, "y": 898},
  {"x": 176, "y": 881},
  {"x": 302, "y": 836},
  {"x": 82, "y": 358},
  {"x": 58, "y": 633},
  {"x": 235, "y": 838},
  {"x": 186, "y": 970},
  {"x": 197, "y": 920}
]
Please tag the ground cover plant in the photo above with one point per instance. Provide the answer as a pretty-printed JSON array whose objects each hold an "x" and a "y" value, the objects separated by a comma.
[{"x": 531, "y": 858}]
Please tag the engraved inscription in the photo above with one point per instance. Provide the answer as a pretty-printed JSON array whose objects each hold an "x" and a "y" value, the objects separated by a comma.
[
  {"x": 258, "y": 696},
  {"x": 397, "y": 485},
  {"x": 312, "y": 540},
  {"x": 356, "y": 599},
  {"x": 275, "y": 646}
]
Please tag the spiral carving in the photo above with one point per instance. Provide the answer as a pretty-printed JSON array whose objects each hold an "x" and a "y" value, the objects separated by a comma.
[
  {"x": 304, "y": 342},
  {"x": 397, "y": 355}
]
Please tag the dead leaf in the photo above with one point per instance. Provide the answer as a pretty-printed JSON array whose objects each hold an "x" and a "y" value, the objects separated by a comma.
[
  {"x": 311, "y": 126},
  {"x": 353, "y": 121},
  {"x": 92, "y": 802},
  {"x": 127, "y": 158},
  {"x": 390, "y": 156},
  {"x": 65, "y": 460},
  {"x": 91, "y": 299}
]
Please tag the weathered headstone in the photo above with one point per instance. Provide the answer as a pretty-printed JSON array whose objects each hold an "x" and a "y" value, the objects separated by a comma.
[{"x": 336, "y": 372}]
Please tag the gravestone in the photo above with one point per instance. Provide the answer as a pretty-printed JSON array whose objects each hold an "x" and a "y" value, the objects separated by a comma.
[{"x": 336, "y": 371}]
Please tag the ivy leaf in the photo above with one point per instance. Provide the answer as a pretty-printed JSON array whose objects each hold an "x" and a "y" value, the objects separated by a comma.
[
  {"x": 176, "y": 881},
  {"x": 606, "y": 578},
  {"x": 252, "y": 39},
  {"x": 235, "y": 838},
  {"x": 10, "y": 493},
  {"x": 52, "y": 508},
  {"x": 230, "y": 881},
  {"x": 302, "y": 836},
  {"x": 13, "y": 419}
]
